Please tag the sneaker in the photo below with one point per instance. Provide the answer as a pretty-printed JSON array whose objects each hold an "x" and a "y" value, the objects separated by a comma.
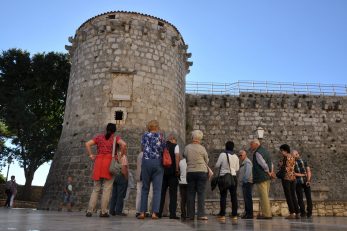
[{"x": 88, "y": 214}]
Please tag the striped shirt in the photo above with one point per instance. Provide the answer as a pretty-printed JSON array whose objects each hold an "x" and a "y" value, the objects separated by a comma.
[{"x": 300, "y": 167}]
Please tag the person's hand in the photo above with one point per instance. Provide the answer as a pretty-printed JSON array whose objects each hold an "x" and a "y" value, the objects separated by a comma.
[
  {"x": 177, "y": 173},
  {"x": 92, "y": 156}
]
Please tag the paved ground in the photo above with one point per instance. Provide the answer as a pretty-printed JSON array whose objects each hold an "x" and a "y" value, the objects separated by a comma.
[{"x": 37, "y": 220}]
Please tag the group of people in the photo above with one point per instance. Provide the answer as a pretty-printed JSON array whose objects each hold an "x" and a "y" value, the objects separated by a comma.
[{"x": 189, "y": 172}]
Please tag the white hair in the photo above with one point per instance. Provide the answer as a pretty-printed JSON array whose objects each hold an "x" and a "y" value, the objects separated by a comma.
[{"x": 197, "y": 135}]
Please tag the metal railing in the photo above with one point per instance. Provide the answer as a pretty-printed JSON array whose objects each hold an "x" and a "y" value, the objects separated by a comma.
[{"x": 265, "y": 87}]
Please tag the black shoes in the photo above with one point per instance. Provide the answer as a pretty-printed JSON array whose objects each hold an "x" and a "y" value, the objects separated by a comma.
[
  {"x": 174, "y": 217},
  {"x": 88, "y": 214},
  {"x": 121, "y": 214},
  {"x": 104, "y": 215},
  {"x": 247, "y": 217},
  {"x": 264, "y": 218}
]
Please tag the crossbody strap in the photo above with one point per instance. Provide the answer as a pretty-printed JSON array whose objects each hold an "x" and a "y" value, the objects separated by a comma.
[
  {"x": 228, "y": 162},
  {"x": 114, "y": 147}
]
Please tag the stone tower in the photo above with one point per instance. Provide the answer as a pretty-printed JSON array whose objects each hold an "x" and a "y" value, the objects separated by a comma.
[{"x": 127, "y": 68}]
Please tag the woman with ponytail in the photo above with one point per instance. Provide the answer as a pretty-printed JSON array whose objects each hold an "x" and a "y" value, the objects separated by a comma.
[{"x": 102, "y": 161}]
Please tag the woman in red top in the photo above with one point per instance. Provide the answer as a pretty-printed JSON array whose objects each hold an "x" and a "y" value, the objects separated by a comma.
[{"x": 102, "y": 161}]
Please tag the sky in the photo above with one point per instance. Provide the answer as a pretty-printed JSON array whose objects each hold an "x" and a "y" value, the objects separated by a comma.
[{"x": 301, "y": 41}]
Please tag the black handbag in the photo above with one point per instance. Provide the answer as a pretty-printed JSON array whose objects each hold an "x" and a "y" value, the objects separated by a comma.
[
  {"x": 282, "y": 172},
  {"x": 214, "y": 181},
  {"x": 227, "y": 180}
]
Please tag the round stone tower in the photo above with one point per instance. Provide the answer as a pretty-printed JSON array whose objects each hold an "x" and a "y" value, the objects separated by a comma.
[{"x": 127, "y": 68}]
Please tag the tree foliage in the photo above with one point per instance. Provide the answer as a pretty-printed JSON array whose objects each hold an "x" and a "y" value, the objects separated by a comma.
[{"x": 32, "y": 100}]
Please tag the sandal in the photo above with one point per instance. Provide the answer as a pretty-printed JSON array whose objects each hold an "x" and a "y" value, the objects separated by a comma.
[
  {"x": 141, "y": 216},
  {"x": 203, "y": 218},
  {"x": 154, "y": 216}
]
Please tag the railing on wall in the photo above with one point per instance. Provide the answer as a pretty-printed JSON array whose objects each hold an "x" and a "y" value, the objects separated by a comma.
[{"x": 265, "y": 87}]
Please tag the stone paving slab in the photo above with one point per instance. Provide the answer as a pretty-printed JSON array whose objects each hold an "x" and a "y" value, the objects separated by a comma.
[{"x": 39, "y": 220}]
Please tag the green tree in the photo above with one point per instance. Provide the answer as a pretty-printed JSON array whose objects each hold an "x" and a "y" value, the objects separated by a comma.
[
  {"x": 3, "y": 135},
  {"x": 32, "y": 100},
  {"x": 2, "y": 179}
]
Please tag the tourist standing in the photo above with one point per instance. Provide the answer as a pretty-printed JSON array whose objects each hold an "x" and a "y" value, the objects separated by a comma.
[
  {"x": 120, "y": 185},
  {"x": 183, "y": 187},
  {"x": 262, "y": 167},
  {"x": 197, "y": 174},
  {"x": 303, "y": 183},
  {"x": 153, "y": 144},
  {"x": 139, "y": 186},
  {"x": 101, "y": 174},
  {"x": 170, "y": 178},
  {"x": 288, "y": 181},
  {"x": 246, "y": 180},
  {"x": 228, "y": 163},
  {"x": 68, "y": 194},
  {"x": 11, "y": 192}
]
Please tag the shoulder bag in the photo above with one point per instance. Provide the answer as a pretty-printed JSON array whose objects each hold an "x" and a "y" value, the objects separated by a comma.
[
  {"x": 227, "y": 180},
  {"x": 115, "y": 167}
]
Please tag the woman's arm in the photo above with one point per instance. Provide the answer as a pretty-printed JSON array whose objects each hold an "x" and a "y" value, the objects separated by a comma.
[
  {"x": 88, "y": 145},
  {"x": 123, "y": 146}
]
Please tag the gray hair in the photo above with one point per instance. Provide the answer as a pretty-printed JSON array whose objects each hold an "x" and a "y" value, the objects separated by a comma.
[{"x": 197, "y": 135}]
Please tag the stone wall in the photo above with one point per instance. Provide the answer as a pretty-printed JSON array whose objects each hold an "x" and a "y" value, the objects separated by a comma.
[
  {"x": 127, "y": 68},
  {"x": 36, "y": 193},
  {"x": 314, "y": 125}
]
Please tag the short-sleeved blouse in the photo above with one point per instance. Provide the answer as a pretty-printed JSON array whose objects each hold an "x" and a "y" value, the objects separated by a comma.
[
  {"x": 153, "y": 145},
  {"x": 103, "y": 157}
]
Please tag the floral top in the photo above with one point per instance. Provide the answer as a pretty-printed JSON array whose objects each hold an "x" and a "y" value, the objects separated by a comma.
[
  {"x": 153, "y": 145},
  {"x": 290, "y": 165}
]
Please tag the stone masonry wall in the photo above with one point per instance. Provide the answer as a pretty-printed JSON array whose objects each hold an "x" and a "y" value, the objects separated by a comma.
[
  {"x": 127, "y": 68},
  {"x": 314, "y": 125}
]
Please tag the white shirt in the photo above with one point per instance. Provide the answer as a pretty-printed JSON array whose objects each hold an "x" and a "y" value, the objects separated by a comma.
[
  {"x": 234, "y": 164},
  {"x": 177, "y": 149},
  {"x": 183, "y": 171}
]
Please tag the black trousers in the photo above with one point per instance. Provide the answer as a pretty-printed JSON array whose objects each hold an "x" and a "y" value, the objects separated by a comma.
[
  {"x": 299, "y": 194},
  {"x": 171, "y": 182},
  {"x": 223, "y": 199},
  {"x": 289, "y": 193},
  {"x": 8, "y": 199},
  {"x": 183, "y": 194}
]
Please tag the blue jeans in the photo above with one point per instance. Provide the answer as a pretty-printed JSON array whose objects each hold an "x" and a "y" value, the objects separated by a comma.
[
  {"x": 119, "y": 191},
  {"x": 247, "y": 198},
  {"x": 196, "y": 185},
  {"x": 151, "y": 171}
]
